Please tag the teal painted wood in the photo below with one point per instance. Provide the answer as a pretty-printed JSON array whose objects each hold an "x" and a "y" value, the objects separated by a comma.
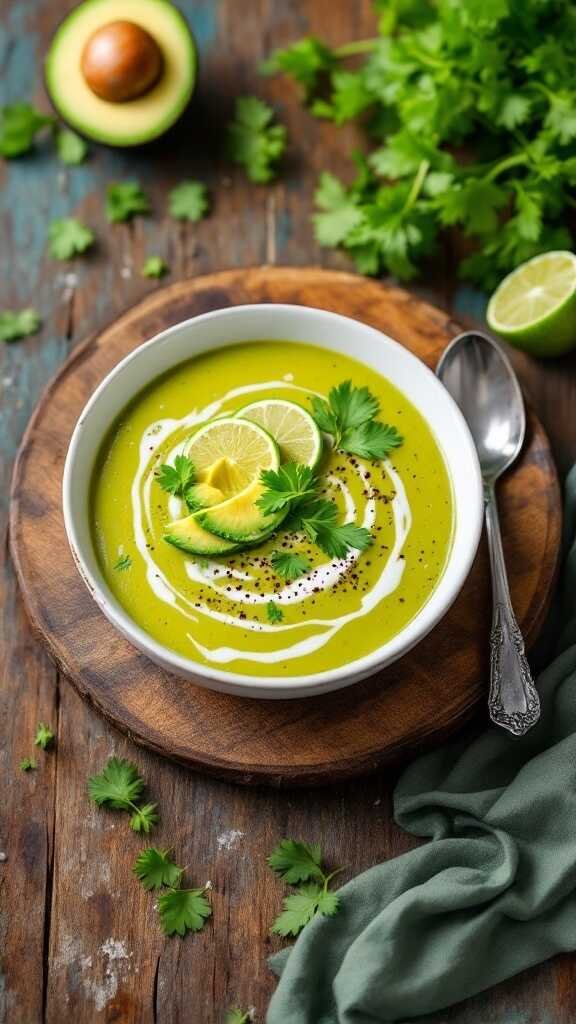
[{"x": 78, "y": 938}]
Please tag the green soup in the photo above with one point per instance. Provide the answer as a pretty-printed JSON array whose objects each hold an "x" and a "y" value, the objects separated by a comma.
[{"x": 215, "y": 610}]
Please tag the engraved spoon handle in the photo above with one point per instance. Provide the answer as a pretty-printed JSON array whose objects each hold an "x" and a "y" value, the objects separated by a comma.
[{"x": 513, "y": 702}]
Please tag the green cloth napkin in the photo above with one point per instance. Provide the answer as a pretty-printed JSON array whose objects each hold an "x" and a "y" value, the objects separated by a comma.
[{"x": 493, "y": 893}]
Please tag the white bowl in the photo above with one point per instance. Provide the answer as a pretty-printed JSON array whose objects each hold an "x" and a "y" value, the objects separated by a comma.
[{"x": 326, "y": 330}]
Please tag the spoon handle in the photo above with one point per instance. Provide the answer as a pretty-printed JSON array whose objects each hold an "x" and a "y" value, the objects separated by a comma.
[{"x": 513, "y": 702}]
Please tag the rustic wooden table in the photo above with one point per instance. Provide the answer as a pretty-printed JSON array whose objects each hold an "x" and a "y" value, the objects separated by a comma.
[{"x": 78, "y": 937}]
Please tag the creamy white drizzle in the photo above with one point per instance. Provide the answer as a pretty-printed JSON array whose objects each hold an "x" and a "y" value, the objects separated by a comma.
[{"x": 208, "y": 573}]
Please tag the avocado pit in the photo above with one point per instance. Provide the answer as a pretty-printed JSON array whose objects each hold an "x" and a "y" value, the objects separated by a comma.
[{"x": 121, "y": 61}]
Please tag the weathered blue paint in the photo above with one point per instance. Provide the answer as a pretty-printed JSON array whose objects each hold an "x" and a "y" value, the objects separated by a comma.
[
  {"x": 470, "y": 303},
  {"x": 203, "y": 18}
]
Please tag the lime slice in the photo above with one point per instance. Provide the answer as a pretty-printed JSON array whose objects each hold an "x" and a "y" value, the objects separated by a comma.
[
  {"x": 245, "y": 449},
  {"x": 534, "y": 307},
  {"x": 291, "y": 426}
]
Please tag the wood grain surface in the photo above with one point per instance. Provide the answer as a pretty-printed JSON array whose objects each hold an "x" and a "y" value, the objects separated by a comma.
[
  {"x": 315, "y": 740},
  {"x": 79, "y": 940}
]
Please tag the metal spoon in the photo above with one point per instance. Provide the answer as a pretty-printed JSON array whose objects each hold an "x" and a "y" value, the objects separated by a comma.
[{"x": 482, "y": 382}]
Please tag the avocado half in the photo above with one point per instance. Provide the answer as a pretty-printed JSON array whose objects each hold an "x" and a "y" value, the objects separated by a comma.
[{"x": 138, "y": 120}]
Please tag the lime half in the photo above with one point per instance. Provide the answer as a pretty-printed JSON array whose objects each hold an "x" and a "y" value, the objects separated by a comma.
[
  {"x": 292, "y": 427},
  {"x": 534, "y": 308},
  {"x": 243, "y": 447}
]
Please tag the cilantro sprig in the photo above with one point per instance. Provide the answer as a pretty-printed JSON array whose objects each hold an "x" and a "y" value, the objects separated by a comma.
[
  {"x": 237, "y": 1016},
  {"x": 120, "y": 787},
  {"x": 300, "y": 864},
  {"x": 254, "y": 140},
  {"x": 179, "y": 478},
  {"x": 189, "y": 201},
  {"x": 274, "y": 613},
  {"x": 472, "y": 119},
  {"x": 20, "y": 124},
  {"x": 44, "y": 736},
  {"x": 290, "y": 565},
  {"x": 180, "y": 910},
  {"x": 285, "y": 485},
  {"x": 349, "y": 416},
  {"x": 68, "y": 238},
  {"x": 155, "y": 267},
  {"x": 125, "y": 200}
]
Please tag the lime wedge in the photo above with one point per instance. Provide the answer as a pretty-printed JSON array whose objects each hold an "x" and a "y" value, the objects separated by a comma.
[
  {"x": 244, "y": 448},
  {"x": 292, "y": 427},
  {"x": 534, "y": 308}
]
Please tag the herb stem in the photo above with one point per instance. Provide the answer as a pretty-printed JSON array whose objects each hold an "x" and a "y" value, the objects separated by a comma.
[
  {"x": 356, "y": 47},
  {"x": 517, "y": 160},
  {"x": 414, "y": 192}
]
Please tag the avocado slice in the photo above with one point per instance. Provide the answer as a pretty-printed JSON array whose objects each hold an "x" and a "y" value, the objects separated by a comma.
[
  {"x": 239, "y": 519},
  {"x": 188, "y": 535},
  {"x": 168, "y": 86},
  {"x": 203, "y": 495}
]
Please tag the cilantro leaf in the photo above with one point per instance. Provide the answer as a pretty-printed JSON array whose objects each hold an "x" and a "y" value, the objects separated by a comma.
[
  {"x": 339, "y": 212},
  {"x": 183, "y": 910},
  {"x": 144, "y": 818},
  {"x": 20, "y": 324},
  {"x": 324, "y": 416},
  {"x": 27, "y": 764},
  {"x": 297, "y": 861},
  {"x": 237, "y": 1016},
  {"x": 289, "y": 564},
  {"x": 371, "y": 440},
  {"x": 44, "y": 736},
  {"x": 155, "y": 868},
  {"x": 124, "y": 562},
  {"x": 352, "y": 406},
  {"x": 69, "y": 238},
  {"x": 301, "y": 906},
  {"x": 188, "y": 201},
  {"x": 178, "y": 478},
  {"x": 118, "y": 786},
  {"x": 336, "y": 541},
  {"x": 155, "y": 266},
  {"x": 285, "y": 485},
  {"x": 254, "y": 141},
  {"x": 305, "y": 60},
  {"x": 70, "y": 147},
  {"x": 19, "y": 125},
  {"x": 125, "y": 200},
  {"x": 274, "y": 612},
  {"x": 314, "y": 516}
]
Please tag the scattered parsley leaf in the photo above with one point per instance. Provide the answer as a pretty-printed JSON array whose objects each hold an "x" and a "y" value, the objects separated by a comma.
[
  {"x": 19, "y": 324},
  {"x": 253, "y": 140},
  {"x": 27, "y": 764},
  {"x": 301, "y": 906},
  {"x": 70, "y": 147},
  {"x": 125, "y": 200},
  {"x": 274, "y": 612},
  {"x": 19, "y": 126},
  {"x": 183, "y": 910},
  {"x": 44, "y": 736},
  {"x": 289, "y": 483},
  {"x": 296, "y": 861},
  {"x": 155, "y": 266},
  {"x": 117, "y": 786},
  {"x": 144, "y": 818},
  {"x": 178, "y": 478},
  {"x": 123, "y": 563},
  {"x": 289, "y": 564},
  {"x": 69, "y": 238},
  {"x": 237, "y": 1016},
  {"x": 188, "y": 201},
  {"x": 155, "y": 868}
]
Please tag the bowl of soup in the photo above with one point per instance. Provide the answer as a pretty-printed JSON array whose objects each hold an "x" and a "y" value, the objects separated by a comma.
[{"x": 272, "y": 501}]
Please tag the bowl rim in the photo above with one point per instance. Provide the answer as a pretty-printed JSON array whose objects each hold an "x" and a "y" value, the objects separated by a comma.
[{"x": 428, "y": 616}]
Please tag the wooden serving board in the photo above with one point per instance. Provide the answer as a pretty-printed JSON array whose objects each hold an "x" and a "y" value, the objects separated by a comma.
[{"x": 415, "y": 702}]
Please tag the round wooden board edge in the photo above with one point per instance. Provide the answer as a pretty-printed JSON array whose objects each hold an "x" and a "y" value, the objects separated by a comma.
[{"x": 276, "y": 776}]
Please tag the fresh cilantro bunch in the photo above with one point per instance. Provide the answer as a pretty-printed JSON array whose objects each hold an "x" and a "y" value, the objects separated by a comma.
[
  {"x": 348, "y": 416},
  {"x": 120, "y": 787},
  {"x": 471, "y": 115},
  {"x": 254, "y": 141},
  {"x": 300, "y": 864},
  {"x": 180, "y": 910}
]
